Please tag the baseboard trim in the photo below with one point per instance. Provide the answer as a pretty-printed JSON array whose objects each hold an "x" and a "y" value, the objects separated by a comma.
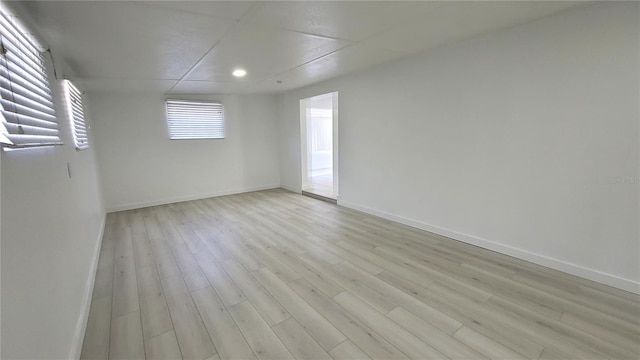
[
  {"x": 556, "y": 264},
  {"x": 145, "y": 204},
  {"x": 81, "y": 327}
]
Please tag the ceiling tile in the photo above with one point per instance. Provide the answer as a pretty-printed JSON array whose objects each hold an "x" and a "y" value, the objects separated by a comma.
[
  {"x": 349, "y": 20},
  {"x": 106, "y": 39},
  {"x": 352, "y": 58},
  {"x": 207, "y": 87},
  {"x": 221, "y": 9},
  {"x": 262, "y": 51},
  {"x": 271, "y": 86},
  {"x": 123, "y": 85},
  {"x": 460, "y": 20}
]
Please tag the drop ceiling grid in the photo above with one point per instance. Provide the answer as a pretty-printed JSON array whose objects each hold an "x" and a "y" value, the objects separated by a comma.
[
  {"x": 312, "y": 20},
  {"x": 192, "y": 47}
]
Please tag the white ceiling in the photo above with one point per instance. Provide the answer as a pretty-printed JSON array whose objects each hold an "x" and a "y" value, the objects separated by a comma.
[{"x": 182, "y": 47}]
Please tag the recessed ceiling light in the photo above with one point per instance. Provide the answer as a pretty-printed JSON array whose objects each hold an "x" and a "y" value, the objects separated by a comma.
[{"x": 239, "y": 72}]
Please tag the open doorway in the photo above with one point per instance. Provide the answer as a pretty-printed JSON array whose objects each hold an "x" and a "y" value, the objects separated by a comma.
[{"x": 319, "y": 135}]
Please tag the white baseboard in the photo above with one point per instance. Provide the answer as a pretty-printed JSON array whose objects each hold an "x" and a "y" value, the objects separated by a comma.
[
  {"x": 81, "y": 327},
  {"x": 188, "y": 198},
  {"x": 291, "y": 188},
  {"x": 556, "y": 264}
]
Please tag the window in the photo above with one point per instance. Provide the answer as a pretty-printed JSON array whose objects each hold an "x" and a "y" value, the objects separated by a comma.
[
  {"x": 75, "y": 112},
  {"x": 27, "y": 117},
  {"x": 195, "y": 119}
]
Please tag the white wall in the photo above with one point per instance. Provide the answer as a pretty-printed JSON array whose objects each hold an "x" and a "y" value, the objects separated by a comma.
[
  {"x": 140, "y": 166},
  {"x": 51, "y": 233},
  {"x": 523, "y": 141}
]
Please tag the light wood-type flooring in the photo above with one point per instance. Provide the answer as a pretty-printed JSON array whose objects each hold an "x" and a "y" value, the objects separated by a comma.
[{"x": 276, "y": 275}]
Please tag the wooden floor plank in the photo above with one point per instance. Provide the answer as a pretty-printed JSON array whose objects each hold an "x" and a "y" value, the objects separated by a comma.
[
  {"x": 264, "y": 302},
  {"x": 468, "y": 314},
  {"x": 281, "y": 270},
  {"x": 189, "y": 268},
  {"x": 97, "y": 334},
  {"x": 410, "y": 300},
  {"x": 126, "y": 337},
  {"x": 272, "y": 274},
  {"x": 485, "y": 345},
  {"x": 125, "y": 286},
  {"x": 153, "y": 306},
  {"x": 408, "y": 343},
  {"x": 193, "y": 338},
  {"x": 348, "y": 351},
  {"x": 224, "y": 333},
  {"x": 162, "y": 347},
  {"x": 556, "y": 335},
  {"x": 352, "y": 284},
  {"x": 321, "y": 329},
  {"x": 615, "y": 336},
  {"x": 299, "y": 342},
  {"x": 418, "y": 308},
  {"x": 103, "y": 285},
  {"x": 438, "y": 339},
  {"x": 354, "y": 329},
  {"x": 143, "y": 255},
  {"x": 319, "y": 280},
  {"x": 164, "y": 259},
  {"x": 228, "y": 291},
  {"x": 265, "y": 344}
]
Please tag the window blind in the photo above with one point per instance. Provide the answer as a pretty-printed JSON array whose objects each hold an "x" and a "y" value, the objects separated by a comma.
[
  {"x": 26, "y": 107},
  {"x": 75, "y": 111},
  {"x": 188, "y": 119}
]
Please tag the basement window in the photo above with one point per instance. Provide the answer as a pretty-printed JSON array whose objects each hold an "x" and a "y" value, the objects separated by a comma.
[
  {"x": 75, "y": 111},
  {"x": 189, "y": 119},
  {"x": 27, "y": 115}
]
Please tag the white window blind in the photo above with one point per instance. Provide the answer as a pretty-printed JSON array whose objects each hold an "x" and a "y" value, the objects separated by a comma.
[
  {"x": 188, "y": 119},
  {"x": 28, "y": 117},
  {"x": 75, "y": 111}
]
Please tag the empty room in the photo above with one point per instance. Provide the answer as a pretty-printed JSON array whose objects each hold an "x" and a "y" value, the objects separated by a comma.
[{"x": 256, "y": 180}]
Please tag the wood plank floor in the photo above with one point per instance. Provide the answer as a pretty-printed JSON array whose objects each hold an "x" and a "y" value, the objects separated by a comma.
[{"x": 275, "y": 275}]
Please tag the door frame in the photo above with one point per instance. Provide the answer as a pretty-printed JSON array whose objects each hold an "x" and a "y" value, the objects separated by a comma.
[{"x": 305, "y": 154}]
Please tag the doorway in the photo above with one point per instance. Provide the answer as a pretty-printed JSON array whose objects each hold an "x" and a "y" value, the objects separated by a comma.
[{"x": 319, "y": 139}]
